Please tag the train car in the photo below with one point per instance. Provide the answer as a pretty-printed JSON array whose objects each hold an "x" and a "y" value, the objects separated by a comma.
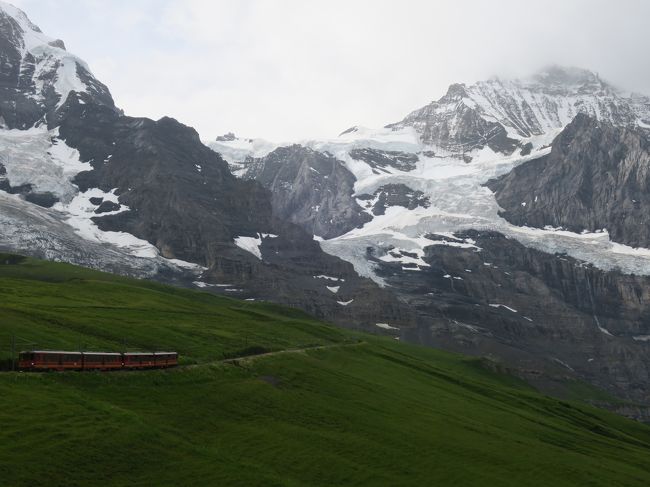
[
  {"x": 101, "y": 361},
  {"x": 138, "y": 360},
  {"x": 60, "y": 360},
  {"x": 166, "y": 359},
  {"x": 50, "y": 360}
]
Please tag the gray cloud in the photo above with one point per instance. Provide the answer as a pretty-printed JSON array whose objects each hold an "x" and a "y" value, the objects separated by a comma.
[{"x": 287, "y": 69}]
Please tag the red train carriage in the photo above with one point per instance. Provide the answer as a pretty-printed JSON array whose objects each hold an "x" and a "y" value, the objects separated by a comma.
[
  {"x": 101, "y": 361},
  {"x": 149, "y": 360},
  {"x": 59, "y": 360},
  {"x": 50, "y": 360}
]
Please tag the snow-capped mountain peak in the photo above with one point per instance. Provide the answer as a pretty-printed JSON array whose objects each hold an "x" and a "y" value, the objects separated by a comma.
[
  {"x": 501, "y": 113},
  {"x": 39, "y": 74}
]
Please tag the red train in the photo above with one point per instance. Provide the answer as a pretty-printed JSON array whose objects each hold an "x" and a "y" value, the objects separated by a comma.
[{"x": 55, "y": 360}]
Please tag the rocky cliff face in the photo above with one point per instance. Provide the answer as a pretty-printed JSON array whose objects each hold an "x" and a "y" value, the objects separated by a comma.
[
  {"x": 597, "y": 176},
  {"x": 501, "y": 113},
  {"x": 545, "y": 315},
  {"x": 309, "y": 188}
]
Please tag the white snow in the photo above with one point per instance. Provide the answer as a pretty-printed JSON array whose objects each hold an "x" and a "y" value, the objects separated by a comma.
[
  {"x": 345, "y": 303},
  {"x": 386, "y": 326},
  {"x": 564, "y": 364},
  {"x": 604, "y": 330},
  {"x": 459, "y": 201},
  {"x": 495, "y": 305},
  {"x": 67, "y": 80},
  {"x": 187, "y": 265},
  {"x": 642, "y": 338},
  {"x": 202, "y": 284},
  {"x": 323, "y": 276},
  {"x": 236, "y": 151},
  {"x": 396, "y": 255},
  {"x": 252, "y": 244},
  {"x": 38, "y": 157},
  {"x": 79, "y": 212},
  {"x": 333, "y": 289}
]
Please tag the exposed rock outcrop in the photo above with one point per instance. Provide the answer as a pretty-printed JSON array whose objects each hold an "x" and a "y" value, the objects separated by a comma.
[
  {"x": 309, "y": 188},
  {"x": 380, "y": 160},
  {"x": 597, "y": 176},
  {"x": 394, "y": 195},
  {"x": 540, "y": 313}
]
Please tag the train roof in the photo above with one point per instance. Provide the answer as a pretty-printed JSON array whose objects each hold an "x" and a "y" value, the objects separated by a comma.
[
  {"x": 51, "y": 351},
  {"x": 149, "y": 353},
  {"x": 97, "y": 353}
]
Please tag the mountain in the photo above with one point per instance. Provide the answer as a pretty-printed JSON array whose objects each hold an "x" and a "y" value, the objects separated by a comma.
[
  {"x": 95, "y": 187},
  {"x": 500, "y": 114},
  {"x": 596, "y": 177},
  {"x": 435, "y": 236}
]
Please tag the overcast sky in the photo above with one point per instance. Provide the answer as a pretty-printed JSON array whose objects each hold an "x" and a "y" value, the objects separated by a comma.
[{"x": 292, "y": 69}]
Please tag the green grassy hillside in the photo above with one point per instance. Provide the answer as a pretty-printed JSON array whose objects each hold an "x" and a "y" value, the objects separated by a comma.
[{"x": 359, "y": 410}]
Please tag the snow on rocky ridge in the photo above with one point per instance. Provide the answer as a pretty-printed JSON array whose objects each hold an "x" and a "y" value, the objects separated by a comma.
[
  {"x": 531, "y": 112},
  {"x": 42, "y": 62},
  {"x": 41, "y": 77}
]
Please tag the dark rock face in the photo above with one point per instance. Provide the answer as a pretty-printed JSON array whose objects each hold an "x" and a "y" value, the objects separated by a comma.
[
  {"x": 294, "y": 271},
  {"x": 181, "y": 195},
  {"x": 107, "y": 207},
  {"x": 541, "y": 313},
  {"x": 596, "y": 176},
  {"x": 226, "y": 137},
  {"x": 309, "y": 188},
  {"x": 183, "y": 199},
  {"x": 380, "y": 160},
  {"x": 394, "y": 195}
]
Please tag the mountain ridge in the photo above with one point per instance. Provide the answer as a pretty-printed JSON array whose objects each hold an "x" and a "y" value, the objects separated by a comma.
[{"x": 501, "y": 112}]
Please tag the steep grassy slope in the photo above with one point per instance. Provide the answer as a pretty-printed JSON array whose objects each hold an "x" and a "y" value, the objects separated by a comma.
[{"x": 360, "y": 410}]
